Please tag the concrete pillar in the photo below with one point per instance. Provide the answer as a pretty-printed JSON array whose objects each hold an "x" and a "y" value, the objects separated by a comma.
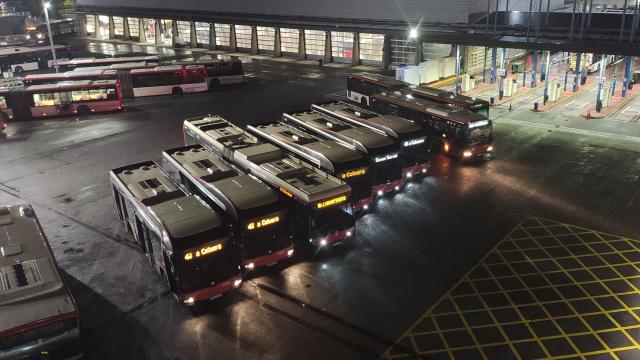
[
  {"x": 576, "y": 79},
  {"x": 386, "y": 52},
  {"x": 98, "y": 29},
  {"x": 534, "y": 64},
  {"x": 328, "y": 56},
  {"x": 212, "y": 37},
  {"x": 302, "y": 48},
  {"x": 355, "y": 53},
  {"x": 547, "y": 70},
  {"x": 83, "y": 25},
  {"x": 112, "y": 28},
  {"x": 457, "y": 69},
  {"x": 627, "y": 75},
  {"x": 174, "y": 32},
  {"x": 193, "y": 39},
  {"x": 600, "y": 83},
  {"x": 158, "y": 32},
  {"x": 126, "y": 32},
  {"x": 232, "y": 38},
  {"x": 142, "y": 33},
  {"x": 502, "y": 74},
  {"x": 277, "y": 45},
  {"x": 254, "y": 40},
  {"x": 484, "y": 66},
  {"x": 493, "y": 65},
  {"x": 418, "y": 58}
]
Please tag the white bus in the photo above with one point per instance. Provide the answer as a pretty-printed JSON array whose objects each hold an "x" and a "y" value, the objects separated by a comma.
[
  {"x": 166, "y": 80},
  {"x": 18, "y": 59},
  {"x": 38, "y": 316},
  {"x": 220, "y": 72},
  {"x": 90, "y": 61}
]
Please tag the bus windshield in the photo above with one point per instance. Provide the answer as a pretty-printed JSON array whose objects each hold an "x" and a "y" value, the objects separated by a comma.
[
  {"x": 386, "y": 171},
  {"x": 206, "y": 265},
  {"x": 481, "y": 110},
  {"x": 479, "y": 135},
  {"x": 327, "y": 220},
  {"x": 264, "y": 235}
]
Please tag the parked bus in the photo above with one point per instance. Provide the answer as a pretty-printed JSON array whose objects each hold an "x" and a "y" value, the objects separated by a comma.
[
  {"x": 19, "y": 59},
  {"x": 125, "y": 66},
  {"x": 345, "y": 163},
  {"x": 53, "y": 78},
  {"x": 186, "y": 242},
  {"x": 360, "y": 87},
  {"x": 91, "y": 61},
  {"x": 318, "y": 201},
  {"x": 220, "y": 72},
  {"x": 382, "y": 151},
  {"x": 166, "y": 80},
  {"x": 258, "y": 216},
  {"x": 38, "y": 316},
  {"x": 64, "y": 98},
  {"x": 409, "y": 135},
  {"x": 454, "y": 131}
]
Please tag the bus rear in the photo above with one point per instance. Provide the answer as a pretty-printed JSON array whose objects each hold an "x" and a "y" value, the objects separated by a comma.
[
  {"x": 39, "y": 318},
  {"x": 361, "y": 86}
]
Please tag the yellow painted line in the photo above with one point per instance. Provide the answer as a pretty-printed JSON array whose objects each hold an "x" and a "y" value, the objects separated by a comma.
[
  {"x": 554, "y": 104},
  {"x": 443, "y": 82}
]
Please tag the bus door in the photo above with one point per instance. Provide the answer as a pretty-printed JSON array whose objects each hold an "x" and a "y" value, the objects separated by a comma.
[{"x": 146, "y": 239}]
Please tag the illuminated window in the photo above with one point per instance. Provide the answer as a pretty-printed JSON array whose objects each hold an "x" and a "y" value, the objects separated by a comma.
[
  {"x": 184, "y": 31},
  {"x": 314, "y": 41},
  {"x": 103, "y": 22},
  {"x": 118, "y": 26},
  {"x": 223, "y": 35},
  {"x": 203, "y": 31},
  {"x": 149, "y": 30},
  {"x": 80, "y": 95},
  {"x": 166, "y": 29},
  {"x": 341, "y": 46},
  {"x": 371, "y": 48},
  {"x": 243, "y": 36},
  {"x": 43, "y": 99},
  {"x": 289, "y": 41},
  {"x": 134, "y": 27},
  {"x": 266, "y": 38},
  {"x": 3, "y": 102},
  {"x": 403, "y": 50},
  {"x": 90, "y": 21}
]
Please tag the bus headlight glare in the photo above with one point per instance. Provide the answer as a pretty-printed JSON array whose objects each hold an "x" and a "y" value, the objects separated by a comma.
[
  {"x": 467, "y": 153},
  {"x": 366, "y": 207},
  {"x": 490, "y": 148},
  {"x": 190, "y": 300},
  {"x": 348, "y": 233},
  {"x": 380, "y": 193},
  {"x": 409, "y": 175},
  {"x": 250, "y": 266},
  {"x": 397, "y": 188},
  {"x": 237, "y": 282},
  {"x": 290, "y": 252},
  {"x": 323, "y": 242},
  {"x": 424, "y": 171}
]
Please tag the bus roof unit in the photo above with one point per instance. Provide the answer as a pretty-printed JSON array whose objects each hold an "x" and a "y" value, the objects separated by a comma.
[
  {"x": 381, "y": 79},
  {"x": 31, "y": 288},
  {"x": 165, "y": 68},
  {"x": 98, "y": 61},
  {"x": 70, "y": 85},
  {"x": 70, "y": 75},
  {"x": 448, "y": 95}
]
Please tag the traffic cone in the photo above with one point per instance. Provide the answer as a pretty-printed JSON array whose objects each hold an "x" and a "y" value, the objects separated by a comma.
[
  {"x": 588, "y": 114},
  {"x": 510, "y": 108}
]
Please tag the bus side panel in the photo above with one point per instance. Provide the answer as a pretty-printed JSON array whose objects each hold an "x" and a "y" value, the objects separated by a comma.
[
  {"x": 125, "y": 82},
  {"x": 19, "y": 102}
]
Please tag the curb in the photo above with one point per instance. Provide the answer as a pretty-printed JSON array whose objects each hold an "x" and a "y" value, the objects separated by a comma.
[
  {"x": 591, "y": 109},
  {"x": 564, "y": 99}
]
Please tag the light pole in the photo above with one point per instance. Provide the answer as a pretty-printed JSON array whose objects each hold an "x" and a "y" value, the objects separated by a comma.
[{"x": 45, "y": 6}]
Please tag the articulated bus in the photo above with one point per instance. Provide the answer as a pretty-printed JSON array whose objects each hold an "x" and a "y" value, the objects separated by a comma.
[
  {"x": 38, "y": 316},
  {"x": 360, "y": 87},
  {"x": 167, "y": 80},
  {"x": 186, "y": 242},
  {"x": 53, "y": 78},
  {"x": 382, "y": 151},
  {"x": 318, "y": 201},
  {"x": 220, "y": 72},
  {"x": 258, "y": 215},
  {"x": 64, "y": 98},
  {"x": 120, "y": 66},
  {"x": 28, "y": 58},
  {"x": 341, "y": 161},
  {"x": 90, "y": 61},
  {"x": 409, "y": 135},
  {"x": 454, "y": 131}
]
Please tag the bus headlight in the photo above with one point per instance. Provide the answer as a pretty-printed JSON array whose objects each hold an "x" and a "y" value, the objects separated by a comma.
[
  {"x": 366, "y": 207},
  {"x": 409, "y": 175},
  {"x": 323, "y": 242},
  {"x": 380, "y": 193},
  {"x": 348, "y": 233},
  {"x": 190, "y": 300},
  {"x": 237, "y": 283},
  {"x": 250, "y": 266},
  {"x": 396, "y": 188},
  {"x": 467, "y": 153},
  {"x": 290, "y": 252},
  {"x": 39, "y": 36},
  {"x": 490, "y": 148}
]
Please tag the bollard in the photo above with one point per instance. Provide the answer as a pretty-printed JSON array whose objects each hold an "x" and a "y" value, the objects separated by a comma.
[
  {"x": 320, "y": 62},
  {"x": 535, "y": 106},
  {"x": 492, "y": 100}
]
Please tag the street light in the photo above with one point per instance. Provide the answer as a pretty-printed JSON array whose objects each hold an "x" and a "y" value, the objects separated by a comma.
[
  {"x": 413, "y": 33},
  {"x": 46, "y": 5}
]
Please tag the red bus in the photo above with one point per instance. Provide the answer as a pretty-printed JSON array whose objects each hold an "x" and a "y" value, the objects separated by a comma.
[
  {"x": 39, "y": 318},
  {"x": 220, "y": 72},
  {"x": 167, "y": 80},
  {"x": 87, "y": 62}
]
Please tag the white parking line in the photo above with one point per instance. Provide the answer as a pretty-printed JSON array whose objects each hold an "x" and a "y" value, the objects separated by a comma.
[{"x": 576, "y": 104}]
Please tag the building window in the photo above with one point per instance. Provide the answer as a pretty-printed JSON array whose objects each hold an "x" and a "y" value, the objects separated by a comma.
[
  {"x": 341, "y": 46},
  {"x": 243, "y": 36},
  {"x": 90, "y": 21},
  {"x": 371, "y": 48},
  {"x": 289, "y": 41},
  {"x": 184, "y": 32},
  {"x": 166, "y": 29},
  {"x": 314, "y": 41},
  {"x": 118, "y": 26},
  {"x": 266, "y": 38},
  {"x": 223, "y": 35},
  {"x": 103, "y": 22},
  {"x": 149, "y": 30},
  {"x": 203, "y": 33},
  {"x": 403, "y": 50},
  {"x": 134, "y": 27}
]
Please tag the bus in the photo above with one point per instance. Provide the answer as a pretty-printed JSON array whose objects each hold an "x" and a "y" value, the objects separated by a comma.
[
  {"x": 167, "y": 80},
  {"x": 125, "y": 66},
  {"x": 258, "y": 215},
  {"x": 39, "y": 316},
  {"x": 220, "y": 72},
  {"x": 345, "y": 163},
  {"x": 18, "y": 59},
  {"x": 382, "y": 152},
  {"x": 185, "y": 241},
  {"x": 360, "y": 87},
  {"x": 409, "y": 135},
  {"x": 318, "y": 201},
  {"x": 454, "y": 131},
  {"x": 91, "y": 61},
  {"x": 53, "y": 78}
]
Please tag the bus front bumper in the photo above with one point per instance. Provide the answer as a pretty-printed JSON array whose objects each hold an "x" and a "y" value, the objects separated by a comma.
[
  {"x": 363, "y": 204},
  {"x": 382, "y": 189},
  {"x": 336, "y": 237},
  {"x": 417, "y": 170},
  {"x": 212, "y": 292},
  {"x": 269, "y": 259}
]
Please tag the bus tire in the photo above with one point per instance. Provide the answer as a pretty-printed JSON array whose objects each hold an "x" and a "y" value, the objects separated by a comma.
[
  {"x": 214, "y": 85},
  {"x": 177, "y": 91},
  {"x": 18, "y": 70},
  {"x": 364, "y": 102},
  {"x": 84, "y": 110}
]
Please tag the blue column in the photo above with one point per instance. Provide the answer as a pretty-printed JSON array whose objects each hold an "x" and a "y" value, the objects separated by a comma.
[
  {"x": 534, "y": 64},
  {"x": 576, "y": 79},
  {"x": 457, "y": 69},
  {"x": 484, "y": 67},
  {"x": 627, "y": 76},
  {"x": 543, "y": 68},
  {"x": 493, "y": 65}
]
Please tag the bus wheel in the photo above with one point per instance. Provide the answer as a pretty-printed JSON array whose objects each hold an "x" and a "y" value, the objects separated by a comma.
[
  {"x": 176, "y": 91},
  {"x": 364, "y": 102},
  {"x": 83, "y": 110},
  {"x": 18, "y": 70},
  {"x": 215, "y": 85}
]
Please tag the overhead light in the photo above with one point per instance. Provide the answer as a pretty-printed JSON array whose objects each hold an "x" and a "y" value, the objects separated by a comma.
[
  {"x": 46, "y": 5},
  {"x": 413, "y": 33}
]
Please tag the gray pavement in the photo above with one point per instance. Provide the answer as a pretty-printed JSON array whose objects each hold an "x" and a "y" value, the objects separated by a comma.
[{"x": 360, "y": 296}]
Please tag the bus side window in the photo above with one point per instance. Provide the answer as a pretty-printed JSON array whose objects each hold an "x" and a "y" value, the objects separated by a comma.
[
  {"x": 154, "y": 246},
  {"x": 121, "y": 210}
]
